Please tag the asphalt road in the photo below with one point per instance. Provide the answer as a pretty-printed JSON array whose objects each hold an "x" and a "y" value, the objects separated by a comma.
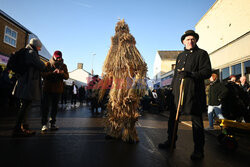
[{"x": 80, "y": 141}]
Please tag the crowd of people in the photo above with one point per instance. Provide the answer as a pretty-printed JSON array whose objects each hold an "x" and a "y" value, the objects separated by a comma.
[{"x": 42, "y": 82}]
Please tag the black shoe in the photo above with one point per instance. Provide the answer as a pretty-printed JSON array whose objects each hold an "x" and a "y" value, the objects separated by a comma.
[
  {"x": 27, "y": 130},
  {"x": 165, "y": 145},
  {"x": 197, "y": 156},
  {"x": 130, "y": 141},
  {"x": 53, "y": 127},
  {"x": 22, "y": 133}
]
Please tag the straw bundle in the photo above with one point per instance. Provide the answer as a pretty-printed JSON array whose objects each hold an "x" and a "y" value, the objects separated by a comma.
[{"x": 127, "y": 69}]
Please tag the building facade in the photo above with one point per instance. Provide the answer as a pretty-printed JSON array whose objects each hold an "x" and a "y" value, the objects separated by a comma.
[
  {"x": 225, "y": 33},
  {"x": 164, "y": 65},
  {"x": 79, "y": 76},
  {"x": 14, "y": 36}
]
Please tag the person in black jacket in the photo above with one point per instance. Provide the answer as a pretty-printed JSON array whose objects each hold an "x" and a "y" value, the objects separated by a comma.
[
  {"x": 81, "y": 94},
  {"x": 28, "y": 87},
  {"x": 74, "y": 93},
  {"x": 217, "y": 92},
  {"x": 193, "y": 64},
  {"x": 243, "y": 84},
  {"x": 236, "y": 103}
]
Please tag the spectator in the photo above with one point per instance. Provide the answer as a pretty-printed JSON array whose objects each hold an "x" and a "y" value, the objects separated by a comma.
[
  {"x": 81, "y": 94},
  {"x": 53, "y": 76},
  {"x": 28, "y": 87},
  {"x": 64, "y": 94},
  {"x": 232, "y": 78},
  {"x": 95, "y": 95},
  {"x": 154, "y": 96},
  {"x": 235, "y": 104},
  {"x": 1, "y": 70},
  {"x": 217, "y": 92},
  {"x": 74, "y": 93},
  {"x": 161, "y": 99},
  {"x": 5, "y": 89},
  {"x": 243, "y": 84}
]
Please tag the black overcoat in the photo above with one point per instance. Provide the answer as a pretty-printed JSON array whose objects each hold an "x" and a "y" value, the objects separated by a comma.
[
  {"x": 217, "y": 93},
  {"x": 198, "y": 63},
  {"x": 29, "y": 85}
]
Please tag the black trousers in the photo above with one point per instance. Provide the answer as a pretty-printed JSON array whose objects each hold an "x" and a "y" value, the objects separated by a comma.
[
  {"x": 197, "y": 127},
  {"x": 50, "y": 101},
  {"x": 23, "y": 108},
  {"x": 73, "y": 98},
  {"x": 63, "y": 98}
]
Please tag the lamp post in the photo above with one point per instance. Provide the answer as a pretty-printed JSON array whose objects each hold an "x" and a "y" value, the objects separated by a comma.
[{"x": 92, "y": 71}]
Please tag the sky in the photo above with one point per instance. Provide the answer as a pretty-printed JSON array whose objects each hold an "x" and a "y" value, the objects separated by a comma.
[{"x": 82, "y": 29}]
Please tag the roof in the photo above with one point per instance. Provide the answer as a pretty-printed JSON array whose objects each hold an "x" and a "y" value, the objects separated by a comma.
[
  {"x": 80, "y": 69},
  {"x": 2, "y": 13},
  {"x": 169, "y": 54}
]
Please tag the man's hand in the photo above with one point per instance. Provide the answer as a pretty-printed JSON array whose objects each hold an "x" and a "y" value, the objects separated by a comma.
[
  {"x": 184, "y": 74},
  {"x": 56, "y": 71}
]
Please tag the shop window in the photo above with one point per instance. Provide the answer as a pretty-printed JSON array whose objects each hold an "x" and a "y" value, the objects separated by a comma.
[
  {"x": 225, "y": 73},
  {"x": 10, "y": 36},
  {"x": 247, "y": 67},
  {"x": 236, "y": 69}
]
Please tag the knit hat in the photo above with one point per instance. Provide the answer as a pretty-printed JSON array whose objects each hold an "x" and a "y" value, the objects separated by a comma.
[
  {"x": 57, "y": 54},
  {"x": 190, "y": 32},
  {"x": 232, "y": 76},
  {"x": 36, "y": 42}
]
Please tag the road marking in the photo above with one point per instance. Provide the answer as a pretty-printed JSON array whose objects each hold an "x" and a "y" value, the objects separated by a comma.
[
  {"x": 185, "y": 123},
  {"x": 152, "y": 148}
]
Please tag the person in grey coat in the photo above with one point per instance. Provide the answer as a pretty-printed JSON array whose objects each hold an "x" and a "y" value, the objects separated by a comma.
[
  {"x": 193, "y": 64},
  {"x": 28, "y": 87}
]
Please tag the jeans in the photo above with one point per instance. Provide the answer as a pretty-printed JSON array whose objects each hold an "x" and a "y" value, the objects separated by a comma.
[
  {"x": 50, "y": 100},
  {"x": 214, "y": 110}
]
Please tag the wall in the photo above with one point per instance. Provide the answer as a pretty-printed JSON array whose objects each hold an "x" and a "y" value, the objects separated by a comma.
[
  {"x": 225, "y": 21},
  {"x": 233, "y": 53},
  {"x": 157, "y": 67},
  {"x": 166, "y": 65},
  {"x": 21, "y": 36}
]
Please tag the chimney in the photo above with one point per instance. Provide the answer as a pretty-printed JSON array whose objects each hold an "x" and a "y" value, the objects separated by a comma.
[{"x": 79, "y": 65}]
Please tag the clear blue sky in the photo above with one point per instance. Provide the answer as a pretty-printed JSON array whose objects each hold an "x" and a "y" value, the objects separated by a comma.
[{"x": 81, "y": 28}]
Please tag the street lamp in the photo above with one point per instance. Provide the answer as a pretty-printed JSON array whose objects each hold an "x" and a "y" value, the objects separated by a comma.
[{"x": 93, "y": 55}]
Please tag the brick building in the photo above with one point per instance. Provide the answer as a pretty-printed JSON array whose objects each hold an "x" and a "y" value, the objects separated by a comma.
[{"x": 14, "y": 36}]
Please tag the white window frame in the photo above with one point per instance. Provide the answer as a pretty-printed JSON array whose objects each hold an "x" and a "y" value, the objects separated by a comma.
[{"x": 11, "y": 37}]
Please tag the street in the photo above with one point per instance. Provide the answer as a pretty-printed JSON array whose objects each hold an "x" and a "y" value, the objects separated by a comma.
[{"x": 80, "y": 141}]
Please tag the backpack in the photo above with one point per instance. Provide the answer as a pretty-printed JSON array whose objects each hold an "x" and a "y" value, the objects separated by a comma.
[{"x": 16, "y": 62}]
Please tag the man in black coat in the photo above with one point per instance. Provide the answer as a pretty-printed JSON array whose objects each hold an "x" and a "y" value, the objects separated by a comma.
[
  {"x": 217, "y": 93},
  {"x": 193, "y": 64}
]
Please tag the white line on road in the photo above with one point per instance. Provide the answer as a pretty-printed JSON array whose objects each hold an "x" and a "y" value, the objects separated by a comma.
[{"x": 185, "y": 123}]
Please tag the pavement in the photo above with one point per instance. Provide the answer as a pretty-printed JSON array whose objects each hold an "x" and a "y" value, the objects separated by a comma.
[
  {"x": 186, "y": 120},
  {"x": 242, "y": 138}
]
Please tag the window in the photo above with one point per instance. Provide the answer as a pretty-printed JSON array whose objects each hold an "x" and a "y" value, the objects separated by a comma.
[
  {"x": 10, "y": 36},
  {"x": 236, "y": 69},
  {"x": 247, "y": 67},
  {"x": 225, "y": 73}
]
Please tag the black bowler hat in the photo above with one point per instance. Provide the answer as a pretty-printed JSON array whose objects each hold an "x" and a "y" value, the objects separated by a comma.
[{"x": 190, "y": 32}]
